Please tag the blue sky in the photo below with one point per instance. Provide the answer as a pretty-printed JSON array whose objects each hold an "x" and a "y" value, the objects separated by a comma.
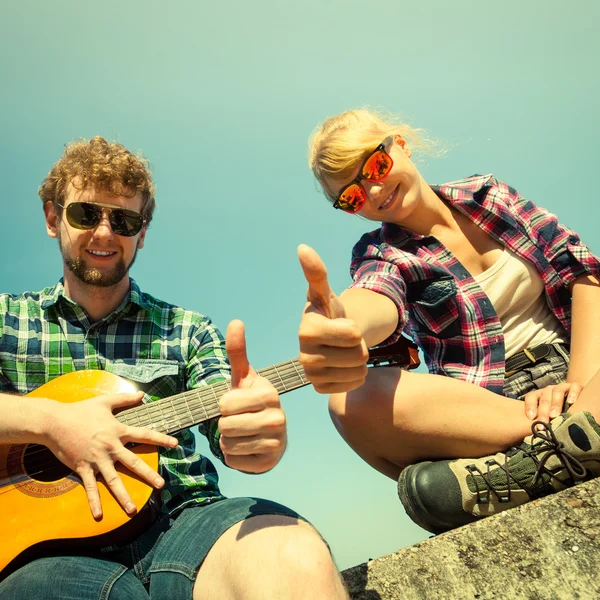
[{"x": 221, "y": 97}]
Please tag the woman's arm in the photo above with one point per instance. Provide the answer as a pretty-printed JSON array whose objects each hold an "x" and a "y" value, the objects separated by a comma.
[
  {"x": 585, "y": 329},
  {"x": 548, "y": 402},
  {"x": 375, "y": 314},
  {"x": 336, "y": 332},
  {"x": 578, "y": 269}
]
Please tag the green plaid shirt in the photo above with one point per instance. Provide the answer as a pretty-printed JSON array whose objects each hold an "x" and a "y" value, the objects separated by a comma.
[{"x": 164, "y": 349}]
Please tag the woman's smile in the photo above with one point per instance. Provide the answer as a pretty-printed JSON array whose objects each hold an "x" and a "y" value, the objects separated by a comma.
[{"x": 390, "y": 199}]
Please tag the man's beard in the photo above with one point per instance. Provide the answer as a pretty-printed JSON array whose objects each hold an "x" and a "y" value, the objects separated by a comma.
[{"x": 92, "y": 275}]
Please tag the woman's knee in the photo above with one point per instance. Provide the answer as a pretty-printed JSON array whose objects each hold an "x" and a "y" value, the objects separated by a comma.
[
  {"x": 376, "y": 402},
  {"x": 351, "y": 407}
]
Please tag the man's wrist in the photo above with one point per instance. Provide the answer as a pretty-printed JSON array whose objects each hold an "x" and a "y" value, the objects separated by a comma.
[{"x": 41, "y": 418}]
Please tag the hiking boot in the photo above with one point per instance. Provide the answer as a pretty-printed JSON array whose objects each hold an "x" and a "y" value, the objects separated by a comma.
[{"x": 445, "y": 494}]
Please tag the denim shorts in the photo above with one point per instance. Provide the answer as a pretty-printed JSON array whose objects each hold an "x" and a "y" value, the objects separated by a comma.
[
  {"x": 160, "y": 565},
  {"x": 548, "y": 371}
]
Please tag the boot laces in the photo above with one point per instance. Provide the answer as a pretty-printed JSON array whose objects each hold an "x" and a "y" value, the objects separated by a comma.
[{"x": 540, "y": 452}]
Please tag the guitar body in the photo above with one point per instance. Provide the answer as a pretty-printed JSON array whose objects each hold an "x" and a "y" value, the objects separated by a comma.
[
  {"x": 51, "y": 505},
  {"x": 43, "y": 505}
]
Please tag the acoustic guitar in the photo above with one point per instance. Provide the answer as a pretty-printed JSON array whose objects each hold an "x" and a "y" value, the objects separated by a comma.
[{"x": 43, "y": 503}]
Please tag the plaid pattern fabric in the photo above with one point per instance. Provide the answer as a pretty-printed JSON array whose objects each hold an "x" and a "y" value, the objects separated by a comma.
[
  {"x": 549, "y": 371},
  {"x": 164, "y": 349},
  {"x": 440, "y": 305}
]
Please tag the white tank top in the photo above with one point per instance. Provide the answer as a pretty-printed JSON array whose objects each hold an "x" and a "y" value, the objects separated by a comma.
[{"x": 516, "y": 291}]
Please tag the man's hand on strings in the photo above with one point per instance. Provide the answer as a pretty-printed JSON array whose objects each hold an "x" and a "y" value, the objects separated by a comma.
[
  {"x": 332, "y": 349},
  {"x": 89, "y": 439},
  {"x": 252, "y": 425}
]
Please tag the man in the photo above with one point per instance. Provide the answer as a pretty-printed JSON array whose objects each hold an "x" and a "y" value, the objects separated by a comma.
[{"x": 98, "y": 202}]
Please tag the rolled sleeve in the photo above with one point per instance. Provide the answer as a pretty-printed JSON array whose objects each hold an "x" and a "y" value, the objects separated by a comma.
[
  {"x": 575, "y": 259},
  {"x": 372, "y": 271},
  {"x": 561, "y": 246}
]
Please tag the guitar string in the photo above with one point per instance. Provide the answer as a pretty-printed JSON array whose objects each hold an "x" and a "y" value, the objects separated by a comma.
[
  {"x": 179, "y": 400},
  {"x": 208, "y": 409},
  {"x": 283, "y": 368},
  {"x": 208, "y": 390},
  {"x": 143, "y": 415},
  {"x": 48, "y": 460}
]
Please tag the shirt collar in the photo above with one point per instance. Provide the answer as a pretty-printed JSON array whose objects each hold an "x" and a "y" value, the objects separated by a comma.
[
  {"x": 457, "y": 192},
  {"x": 463, "y": 190},
  {"x": 50, "y": 296},
  {"x": 53, "y": 295},
  {"x": 135, "y": 296}
]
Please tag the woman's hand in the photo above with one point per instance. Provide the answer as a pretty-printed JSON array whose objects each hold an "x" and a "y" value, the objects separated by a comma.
[
  {"x": 547, "y": 403},
  {"x": 332, "y": 349}
]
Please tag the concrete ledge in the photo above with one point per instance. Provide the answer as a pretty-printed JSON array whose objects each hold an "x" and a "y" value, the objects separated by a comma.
[{"x": 548, "y": 549}]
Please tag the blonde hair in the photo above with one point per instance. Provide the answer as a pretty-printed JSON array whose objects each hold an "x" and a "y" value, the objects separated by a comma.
[
  {"x": 105, "y": 166},
  {"x": 342, "y": 142}
]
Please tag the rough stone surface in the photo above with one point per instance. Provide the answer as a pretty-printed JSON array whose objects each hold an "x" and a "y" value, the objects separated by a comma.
[{"x": 548, "y": 549}]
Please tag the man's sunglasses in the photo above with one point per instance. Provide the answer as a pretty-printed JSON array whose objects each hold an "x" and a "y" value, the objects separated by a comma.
[
  {"x": 87, "y": 215},
  {"x": 376, "y": 167}
]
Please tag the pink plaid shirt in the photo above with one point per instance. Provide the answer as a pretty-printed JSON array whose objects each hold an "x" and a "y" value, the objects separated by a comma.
[{"x": 440, "y": 305}]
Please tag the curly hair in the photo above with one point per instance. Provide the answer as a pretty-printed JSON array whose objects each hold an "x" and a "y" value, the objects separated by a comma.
[{"x": 106, "y": 166}]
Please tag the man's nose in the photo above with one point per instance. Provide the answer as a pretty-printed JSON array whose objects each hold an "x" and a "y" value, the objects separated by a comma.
[{"x": 104, "y": 227}]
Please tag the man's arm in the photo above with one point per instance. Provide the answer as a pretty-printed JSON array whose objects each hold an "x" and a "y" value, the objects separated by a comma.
[
  {"x": 23, "y": 420},
  {"x": 86, "y": 437}
]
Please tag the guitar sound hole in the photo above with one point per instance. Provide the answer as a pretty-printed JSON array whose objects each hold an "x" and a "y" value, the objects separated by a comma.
[{"x": 40, "y": 464}]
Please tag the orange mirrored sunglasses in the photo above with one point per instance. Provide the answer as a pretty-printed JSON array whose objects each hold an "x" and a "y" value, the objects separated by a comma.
[{"x": 376, "y": 167}]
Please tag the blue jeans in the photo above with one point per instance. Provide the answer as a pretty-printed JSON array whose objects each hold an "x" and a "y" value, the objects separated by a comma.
[{"x": 161, "y": 564}]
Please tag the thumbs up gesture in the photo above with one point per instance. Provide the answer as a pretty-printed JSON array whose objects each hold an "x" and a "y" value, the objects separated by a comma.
[
  {"x": 332, "y": 349},
  {"x": 252, "y": 423}
]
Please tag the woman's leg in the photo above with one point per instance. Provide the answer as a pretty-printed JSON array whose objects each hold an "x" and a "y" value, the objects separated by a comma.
[
  {"x": 398, "y": 417},
  {"x": 444, "y": 494},
  {"x": 589, "y": 399}
]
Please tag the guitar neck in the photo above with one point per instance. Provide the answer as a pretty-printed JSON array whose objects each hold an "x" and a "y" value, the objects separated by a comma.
[
  {"x": 187, "y": 409},
  {"x": 193, "y": 407}
]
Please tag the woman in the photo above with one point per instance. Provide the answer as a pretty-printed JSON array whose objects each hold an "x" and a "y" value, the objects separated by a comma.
[{"x": 497, "y": 295}]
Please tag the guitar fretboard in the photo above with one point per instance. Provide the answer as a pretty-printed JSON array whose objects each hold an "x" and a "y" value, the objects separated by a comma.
[{"x": 190, "y": 408}]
